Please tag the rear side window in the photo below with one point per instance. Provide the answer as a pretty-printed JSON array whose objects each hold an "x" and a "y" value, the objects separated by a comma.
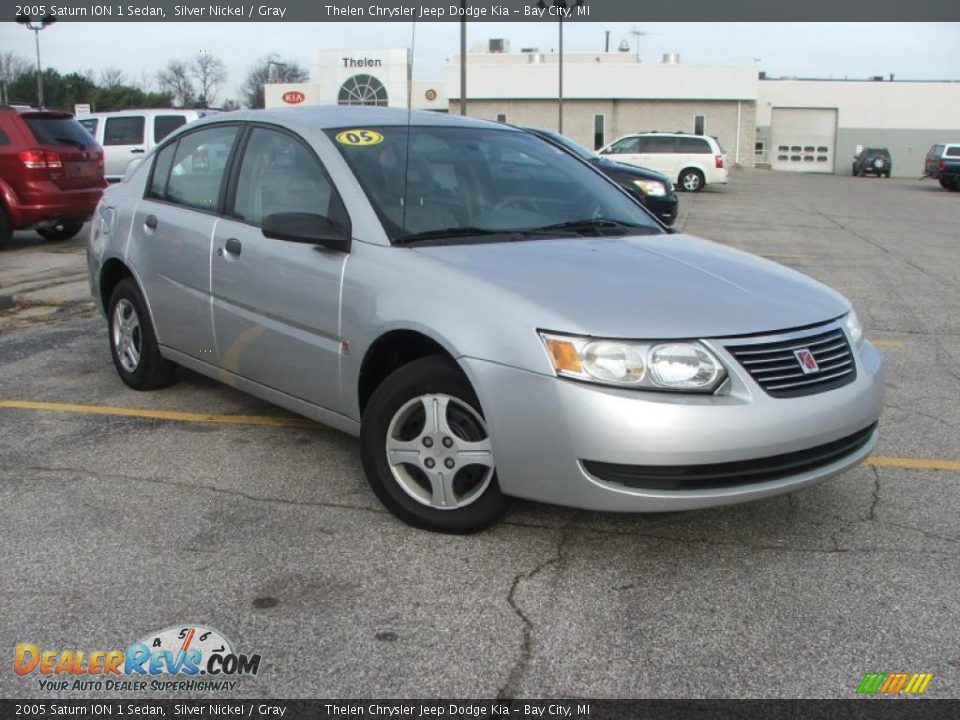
[
  {"x": 4, "y": 140},
  {"x": 123, "y": 131},
  {"x": 90, "y": 125},
  {"x": 695, "y": 146},
  {"x": 58, "y": 131},
  {"x": 163, "y": 125},
  {"x": 659, "y": 144},
  {"x": 199, "y": 166},
  {"x": 953, "y": 151},
  {"x": 161, "y": 171}
]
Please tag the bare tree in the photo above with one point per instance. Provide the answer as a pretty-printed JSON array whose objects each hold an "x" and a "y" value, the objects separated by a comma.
[
  {"x": 112, "y": 77},
  {"x": 270, "y": 69},
  {"x": 12, "y": 66},
  {"x": 175, "y": 79},
  {"x": 210, "y": 74}
]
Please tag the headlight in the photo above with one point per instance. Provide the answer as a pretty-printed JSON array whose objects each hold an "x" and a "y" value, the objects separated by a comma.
[
  {"x": 854, "y": 328},
  {"x": 684, "y": 366},
  {"x": 651, "y": 187}
]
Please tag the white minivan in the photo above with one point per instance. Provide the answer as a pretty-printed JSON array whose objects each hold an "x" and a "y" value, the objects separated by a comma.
[
  {"x": 128, "y": 135},
  {"x": 692, "y": 161}
]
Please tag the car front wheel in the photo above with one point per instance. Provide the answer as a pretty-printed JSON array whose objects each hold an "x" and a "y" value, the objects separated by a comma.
[
  {"x": 133, "y": 343},
  {"x": 426, "y": 449},
  {"x": 60, "y": 231},
  {"x": 691, "y": 180}
]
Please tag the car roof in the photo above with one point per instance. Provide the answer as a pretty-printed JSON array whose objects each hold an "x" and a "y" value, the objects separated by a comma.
[
  {"x": 338, "y": 116},
  {"x": 149, "y": 111}
]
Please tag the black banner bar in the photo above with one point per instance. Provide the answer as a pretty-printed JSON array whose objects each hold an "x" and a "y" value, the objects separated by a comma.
[
  {"x": 484, "y": 10},
  {"x": 856, "y": 709}
]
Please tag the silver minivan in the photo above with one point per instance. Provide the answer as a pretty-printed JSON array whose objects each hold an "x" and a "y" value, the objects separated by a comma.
[
  {"x": 491, "y": 315},
  {"x": 127, "y": 135}
]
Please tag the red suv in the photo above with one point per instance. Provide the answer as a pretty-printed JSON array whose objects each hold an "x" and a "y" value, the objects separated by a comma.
[{"x": 51, "y": 172}]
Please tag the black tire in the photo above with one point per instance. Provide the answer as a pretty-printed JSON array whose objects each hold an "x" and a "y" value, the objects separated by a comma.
[
  {"x": 60, "y": 231},
  {"x": 396, "y": 399},
  {"x": 948, "y": 184},
  {"x": 6, "y": 227},
  {"x": 691, "y": 180},
  {"x": 151, "y": 370},
  {"x": 855, "y": 173}
]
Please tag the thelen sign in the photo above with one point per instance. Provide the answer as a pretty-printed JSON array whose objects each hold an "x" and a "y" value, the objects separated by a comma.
[{"x": 293, "y": 97}]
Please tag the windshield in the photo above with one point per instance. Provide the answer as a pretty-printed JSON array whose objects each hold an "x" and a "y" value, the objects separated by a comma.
[
  {"x": 579, "y": 150},
  {"x": 478, "y": 183}
]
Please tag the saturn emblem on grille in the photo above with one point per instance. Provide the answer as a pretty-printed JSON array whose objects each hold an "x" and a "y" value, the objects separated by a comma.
[{"x": 808, "y": 363}]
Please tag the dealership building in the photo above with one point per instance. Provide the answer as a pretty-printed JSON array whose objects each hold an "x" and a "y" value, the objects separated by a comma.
[{"x": 787, "y": 124}]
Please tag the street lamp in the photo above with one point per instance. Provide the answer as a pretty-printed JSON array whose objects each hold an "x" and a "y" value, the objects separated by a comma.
[
  {"x": 42, "y": 22},
  {"x": 562, "y": 7}
]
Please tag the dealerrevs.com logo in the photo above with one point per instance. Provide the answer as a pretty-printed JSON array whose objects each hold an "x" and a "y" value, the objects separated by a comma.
[{"x": 185, "y": 658}]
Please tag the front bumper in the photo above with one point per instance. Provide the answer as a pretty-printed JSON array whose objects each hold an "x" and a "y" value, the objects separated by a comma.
[{"x": 545, "y": 431}]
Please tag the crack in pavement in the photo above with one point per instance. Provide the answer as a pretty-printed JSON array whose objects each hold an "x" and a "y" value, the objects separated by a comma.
[{"x": 519, "y": 670}]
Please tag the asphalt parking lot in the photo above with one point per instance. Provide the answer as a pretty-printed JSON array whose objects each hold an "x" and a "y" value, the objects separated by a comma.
[{"x": 124, "y": 513}]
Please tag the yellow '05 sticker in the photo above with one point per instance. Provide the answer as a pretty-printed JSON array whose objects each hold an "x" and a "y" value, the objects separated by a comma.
[{"x": 359, "y": 137}]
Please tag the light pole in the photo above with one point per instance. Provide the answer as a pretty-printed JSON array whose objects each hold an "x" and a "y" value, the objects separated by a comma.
[
  {"x": 562, "y": 7},
  {"x": 273, "y": 76},
  {"x": 42, "y": 22}
]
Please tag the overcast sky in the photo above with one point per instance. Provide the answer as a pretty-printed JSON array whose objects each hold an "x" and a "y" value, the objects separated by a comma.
[{"x": 828, "y": 50}]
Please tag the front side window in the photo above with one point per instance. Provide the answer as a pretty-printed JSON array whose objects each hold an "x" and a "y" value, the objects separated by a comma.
[
  {"x": 124, "y": 130},
  {"x": 471, "y": 183},
  {"x": 280, "y": 174},
  {"x": 199, "y": 164}
]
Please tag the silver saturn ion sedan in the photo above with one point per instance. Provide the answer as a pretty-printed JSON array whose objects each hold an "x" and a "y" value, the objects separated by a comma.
[{"x": 489, "y": 314}]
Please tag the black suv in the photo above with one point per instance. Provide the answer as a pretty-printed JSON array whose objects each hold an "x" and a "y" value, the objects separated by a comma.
[
  {"x": 872, "y": 161},
  {"x": 653, "y": 190}
]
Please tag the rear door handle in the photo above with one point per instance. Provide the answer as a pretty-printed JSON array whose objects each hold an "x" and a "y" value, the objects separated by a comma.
[
  {"x": 138, "y": 150},
  {"x": 151, "y": 222},
  {"x": 233, "y": 246}
]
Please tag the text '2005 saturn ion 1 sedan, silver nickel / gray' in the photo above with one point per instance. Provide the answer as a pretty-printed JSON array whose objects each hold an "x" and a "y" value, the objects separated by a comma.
[{"x": 492, "y": 316}]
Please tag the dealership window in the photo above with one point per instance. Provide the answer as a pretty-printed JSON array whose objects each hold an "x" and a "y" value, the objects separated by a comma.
[
  {"x": 760, "y": 148},
  {"x": 362, "y": 90},
  {"x": 501, "y": 117},
  {"x": 698, "y": 125},
  {"x": 599, "y": 126}
]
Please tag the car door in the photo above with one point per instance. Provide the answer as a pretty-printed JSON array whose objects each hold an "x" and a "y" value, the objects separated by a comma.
[
  {"x": 172, "y": 233},
  {"x": 124, "y": 139},
  {"x": 276, "y": 303}
]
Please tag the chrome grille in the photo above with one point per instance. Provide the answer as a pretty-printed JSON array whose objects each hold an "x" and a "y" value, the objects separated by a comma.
[{"x": 776, "y": 368}]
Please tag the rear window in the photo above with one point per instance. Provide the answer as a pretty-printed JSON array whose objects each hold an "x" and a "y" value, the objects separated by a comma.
[
  {"x": 936, "y": 151},
  {"x": 953, "y": 151},
  {"x": 58, "y": 131}
]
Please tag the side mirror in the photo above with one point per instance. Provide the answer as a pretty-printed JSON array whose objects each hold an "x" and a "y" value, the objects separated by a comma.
[{"x": 308, "y": 228}]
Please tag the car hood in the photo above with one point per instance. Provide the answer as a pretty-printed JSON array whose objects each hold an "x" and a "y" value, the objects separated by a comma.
[
  {"x": 644, "y": 287},
  {"x": 632, "y": 170}
]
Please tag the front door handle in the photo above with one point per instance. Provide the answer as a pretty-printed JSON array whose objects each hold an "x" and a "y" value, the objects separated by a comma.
[
  {"x": 151, "y": 222},
  {"x": 233, "y": 246}
]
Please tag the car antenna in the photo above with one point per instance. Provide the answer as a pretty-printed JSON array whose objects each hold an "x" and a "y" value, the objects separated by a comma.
[{"x": 406, "y": 155}]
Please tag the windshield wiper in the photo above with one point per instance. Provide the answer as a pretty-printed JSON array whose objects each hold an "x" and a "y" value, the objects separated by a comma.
[
  {"x": 444, "y": 233},
  {"x": 71, "y": 141},
  {"x": 597, "y": 225}
]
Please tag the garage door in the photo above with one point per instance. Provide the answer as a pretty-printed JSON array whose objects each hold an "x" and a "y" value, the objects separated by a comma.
[{"x": 803, "y": 139}]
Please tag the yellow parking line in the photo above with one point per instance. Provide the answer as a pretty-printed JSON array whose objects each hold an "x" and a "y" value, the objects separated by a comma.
[
  {"x": 161, "y": 414},
  {"x": 177, "y": 416},
  {"x": 913, "y": 463}
]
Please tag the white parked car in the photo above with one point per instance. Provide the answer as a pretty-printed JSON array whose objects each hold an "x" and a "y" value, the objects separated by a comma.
[
  {"x": 692, "y": 161},
  {"x": 128, "y": 135}
]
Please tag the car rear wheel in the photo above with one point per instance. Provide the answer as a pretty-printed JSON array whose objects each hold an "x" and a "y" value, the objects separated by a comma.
[
  {"x": 426, "y": 449},
  {"x": 691, "y": 180},
  {"x": 60, "y": 231},
  {"x": 948, "y": 184},
  {"x": 133, "y": 343},
  {"x": 6, "y": 227}
]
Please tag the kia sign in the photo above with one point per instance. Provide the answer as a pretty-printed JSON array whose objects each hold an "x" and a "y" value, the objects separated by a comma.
[{"x": 293, "y": 97}]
